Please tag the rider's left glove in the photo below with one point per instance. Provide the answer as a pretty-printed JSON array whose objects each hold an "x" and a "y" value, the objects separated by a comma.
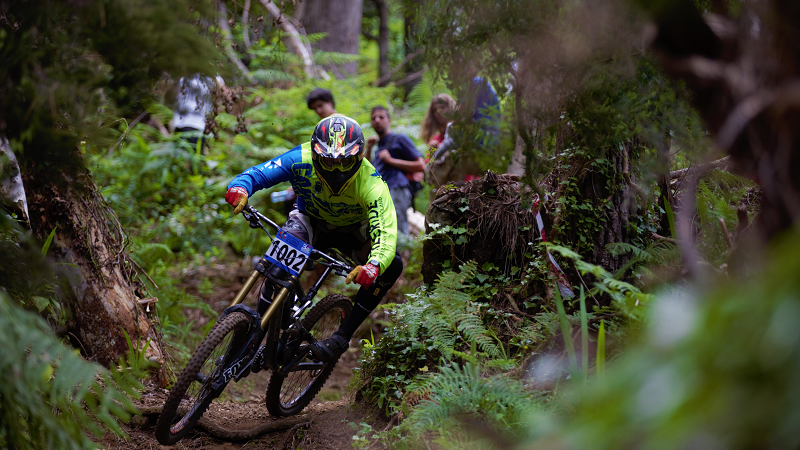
[
  {"x": 237, "y": 197},
  {"x": 364, "y": 275}
]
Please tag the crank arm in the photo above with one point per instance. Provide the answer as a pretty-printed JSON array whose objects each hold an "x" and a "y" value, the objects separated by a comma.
[
  {"x": 295, "y": 363},
  {"x": 308, "y": 366}
]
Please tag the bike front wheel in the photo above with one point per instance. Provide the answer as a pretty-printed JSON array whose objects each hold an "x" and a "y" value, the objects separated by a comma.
[
  {"x": 288, "y": 394},
  {"x": 192, "y": 393}
]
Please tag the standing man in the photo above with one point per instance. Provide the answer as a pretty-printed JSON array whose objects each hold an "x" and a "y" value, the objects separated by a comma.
[
  {"x": 396, "y": 156},
  {"x": 193, "y": 104},
  {"x": 321, "y": 101}
]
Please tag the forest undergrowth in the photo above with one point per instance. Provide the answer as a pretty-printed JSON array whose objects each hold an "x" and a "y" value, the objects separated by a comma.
[{"x": 478, "y": 346}]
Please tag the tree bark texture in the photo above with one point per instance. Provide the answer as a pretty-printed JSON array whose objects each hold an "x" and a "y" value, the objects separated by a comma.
[
  {"x": 604, "y": 191},
  {"x": 410, "y": 26},
  {"x": 88, "y": 236},
  {"x": 383, "y": 40},
  {"x": 341, "y": 20}
]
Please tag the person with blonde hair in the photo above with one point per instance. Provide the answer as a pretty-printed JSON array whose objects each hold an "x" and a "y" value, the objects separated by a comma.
[{"x": 436, "y": 119}]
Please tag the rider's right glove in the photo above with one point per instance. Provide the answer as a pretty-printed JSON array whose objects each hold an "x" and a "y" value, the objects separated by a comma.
[
  {"x": 237, "y": 197},
  {"x": 364, "y": 275}
]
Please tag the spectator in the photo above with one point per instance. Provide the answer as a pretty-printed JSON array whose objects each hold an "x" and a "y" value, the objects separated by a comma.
[
  {"x": 447, "y": 163},
  {"x": 193, "y": 103},
  {"x": 396, "y": 156},
  {"x": 434, "y": 125},
  {"x": 321, "y": 101},
  {"x": 485, "y": 111}
]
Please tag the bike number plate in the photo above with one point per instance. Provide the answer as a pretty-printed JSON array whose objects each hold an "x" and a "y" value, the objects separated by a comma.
[{"x": 288, "y": 252}]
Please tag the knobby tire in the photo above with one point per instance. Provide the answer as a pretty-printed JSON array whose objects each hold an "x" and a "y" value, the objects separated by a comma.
[
  {"x": 181, "y": 411},
  {"x": 288, "y": 395}
]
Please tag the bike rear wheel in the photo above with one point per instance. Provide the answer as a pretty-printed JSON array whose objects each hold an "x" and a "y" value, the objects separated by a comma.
[
  {"x": 191, "y": 394},
  {"x": 288, "y": 395}
]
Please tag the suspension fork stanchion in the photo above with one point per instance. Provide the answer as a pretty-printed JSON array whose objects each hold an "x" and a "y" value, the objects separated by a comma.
[
  {"x": 246, "y": 288},
  {"x": 277, "y": 302}
]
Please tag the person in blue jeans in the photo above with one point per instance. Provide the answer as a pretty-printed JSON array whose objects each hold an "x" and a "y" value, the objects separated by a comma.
[{"x": 396, "y": 156}]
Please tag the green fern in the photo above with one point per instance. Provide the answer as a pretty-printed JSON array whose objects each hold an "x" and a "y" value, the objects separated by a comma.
[
  {"x": 148, "y": 254},
  {"x": 471, "y": 327},
  {"x": 718, "y": 195},
  {"x": 627, "y": 298},
  {"x": 51, "y": 397},
  {"x": 458, "y": 392},
  {"x": 442, "y": 324}
]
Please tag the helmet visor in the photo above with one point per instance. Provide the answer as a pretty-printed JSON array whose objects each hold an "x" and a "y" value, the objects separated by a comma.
[{"x": 342, "y": 163}]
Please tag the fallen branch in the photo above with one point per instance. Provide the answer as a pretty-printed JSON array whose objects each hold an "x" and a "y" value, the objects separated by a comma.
[
  {"x": 658, "y": 237},
  {"x": 222, "y": 20},
  {"x": 725, "y": 233},
  {"x": 411, "y": 77},
  {"x": 721, "y": 164},
  {"x": 294, "y": 41},
  {"x": 405, "y": 60},
  {"x": 155, "y": 123},
  {"x": 226, "y": 434}
]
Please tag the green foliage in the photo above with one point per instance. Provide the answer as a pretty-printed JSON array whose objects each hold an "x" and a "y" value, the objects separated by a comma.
[
  {"x": 27, "y": 276},
  {"x": 450, "y": 322},
  {"x": 658, "y": 254},
  {"x": 715, "y": 369},
  {"x": 459, "y": 396},
  {"x": 444, "y": 323},
  {"x": 51, "y": 397},
  {"x": 626, "y": 298},
  {"x": 90, "y": 61},
  {"x": 719, "y": 193}
]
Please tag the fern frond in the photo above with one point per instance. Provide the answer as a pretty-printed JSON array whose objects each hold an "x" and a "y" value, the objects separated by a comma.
[{"x": 473, "y": 330}]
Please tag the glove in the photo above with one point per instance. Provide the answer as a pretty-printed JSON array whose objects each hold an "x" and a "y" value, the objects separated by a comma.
[
  {"x": 364, "y": 275},
  {"x": 237, "y": 197}
]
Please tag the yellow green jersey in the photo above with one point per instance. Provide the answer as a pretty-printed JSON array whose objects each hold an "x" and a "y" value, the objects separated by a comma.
[{"x": 364, "y": 197}]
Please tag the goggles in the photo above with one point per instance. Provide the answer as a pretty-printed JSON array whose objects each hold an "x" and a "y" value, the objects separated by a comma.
[{"x": 341, "y": 164}]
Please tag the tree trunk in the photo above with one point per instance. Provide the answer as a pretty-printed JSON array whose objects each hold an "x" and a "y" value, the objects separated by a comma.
[
  {"x": 383, "y": 40},
  {"x": 603, "y": 191},
  {"x": 341, "y": 20},
  {"x": 104, "y": 306},
  {"x": 414, "y": 66}
]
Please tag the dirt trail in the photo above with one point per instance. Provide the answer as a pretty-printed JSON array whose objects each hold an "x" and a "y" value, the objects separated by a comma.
[
  {"x": 324, "y": 424},
  {"x": 241, "y": 411}
]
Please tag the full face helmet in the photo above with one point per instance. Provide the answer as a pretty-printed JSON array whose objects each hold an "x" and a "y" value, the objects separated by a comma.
[{"x": 337, "y": 149}]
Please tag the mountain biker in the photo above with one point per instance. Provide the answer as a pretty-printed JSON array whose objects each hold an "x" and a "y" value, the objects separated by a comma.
[{"x": 342, "y": 203}]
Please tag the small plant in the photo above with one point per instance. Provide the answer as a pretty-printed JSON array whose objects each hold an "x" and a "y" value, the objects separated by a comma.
[{"x": 364, "y": 435}]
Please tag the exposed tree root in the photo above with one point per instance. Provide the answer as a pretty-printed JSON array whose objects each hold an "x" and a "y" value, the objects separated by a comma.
[
  {"x": 226, "y": 434},
  {"x": 289, "y": 440}
]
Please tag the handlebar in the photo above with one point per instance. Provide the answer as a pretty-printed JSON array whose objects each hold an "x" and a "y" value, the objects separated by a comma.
[{"x": 256, "y": 220}]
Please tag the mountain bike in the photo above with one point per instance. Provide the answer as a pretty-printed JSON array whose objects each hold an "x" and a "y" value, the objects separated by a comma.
[{"x": 286, "y": 319}]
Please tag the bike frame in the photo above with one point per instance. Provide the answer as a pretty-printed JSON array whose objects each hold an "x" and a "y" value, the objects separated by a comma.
[{"x": 238, "y": 365}]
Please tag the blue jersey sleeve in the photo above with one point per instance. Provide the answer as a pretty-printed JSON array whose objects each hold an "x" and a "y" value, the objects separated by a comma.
[
  {"x": 404, "y": 148},
  {"x": 268, "y": 174}
]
